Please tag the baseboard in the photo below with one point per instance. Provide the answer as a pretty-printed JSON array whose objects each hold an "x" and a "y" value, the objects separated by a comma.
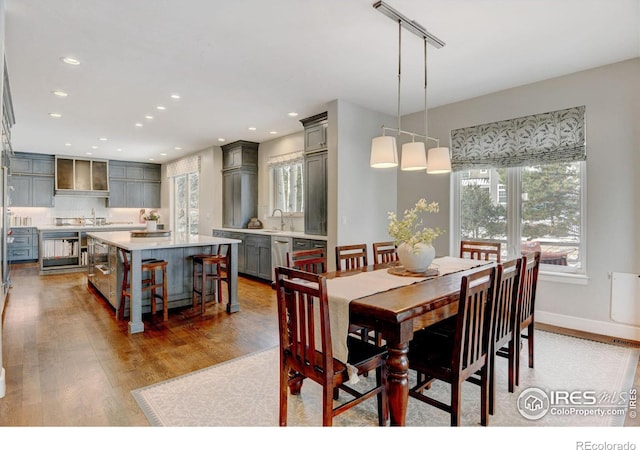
[{"x": 610, "y": 332}]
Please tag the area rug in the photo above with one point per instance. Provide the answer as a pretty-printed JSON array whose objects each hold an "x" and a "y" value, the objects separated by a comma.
[{"x": 244, "y": 392}]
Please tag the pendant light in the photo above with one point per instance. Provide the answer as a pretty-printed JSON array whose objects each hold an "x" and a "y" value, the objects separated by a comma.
[{"x": 384, "y": 148}]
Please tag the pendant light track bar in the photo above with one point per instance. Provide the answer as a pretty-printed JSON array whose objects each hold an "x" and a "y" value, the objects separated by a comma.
[
  {"x": 399, "y": 131},
  {"x": 409, "y": 24}
]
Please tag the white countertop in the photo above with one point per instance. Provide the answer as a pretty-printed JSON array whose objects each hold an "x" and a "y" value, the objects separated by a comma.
[
  {"x": 123, "y": 239},
  {"x": 272, "y": 232},
  {"x": 91, "y": 228}
]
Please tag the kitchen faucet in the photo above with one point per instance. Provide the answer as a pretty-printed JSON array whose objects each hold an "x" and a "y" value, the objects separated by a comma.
[
  {"x": 93, "y": 216},
  {"x": 281, "y": 217}
]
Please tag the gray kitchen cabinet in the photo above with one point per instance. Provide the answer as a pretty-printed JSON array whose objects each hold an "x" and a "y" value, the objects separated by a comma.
[
  {"x": 308, "y": 244},
  {"x": 24, "y": 246},
  {"x": 134, "y": 185},
  {"x": 239, "y": 183},
  {"x": 315, "y": 194},
  {"x": 315, "y": 174},
  {"x": 31, "y": 176},
  {"x": 258, "y": 256}
]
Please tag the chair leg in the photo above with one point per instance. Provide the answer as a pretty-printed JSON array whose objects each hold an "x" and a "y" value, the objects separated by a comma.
[
  {"x": 492, "y": 382},
  {"x": 484, "y": 393},
  {"x": 511, "y": 364},
  {"x": 194, "y": 282},
  {"x": 530, "y": 339},
  {"x": 153, "y": 293},
  {"x": 383, "y": 402},
  {"x": 456, "y": 393},
  {"x": 516, "y": 354},
  {"x": 284, "y": 386},
  {"x": 203, "y": 290},
  {"x": 123, "y": 295},
  {"x": 165, "y": 297},
  {"x": 327, "y": 407}
]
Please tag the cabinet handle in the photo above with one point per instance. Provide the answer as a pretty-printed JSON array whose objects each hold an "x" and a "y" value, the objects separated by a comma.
[{"x": 103, "y": 269}]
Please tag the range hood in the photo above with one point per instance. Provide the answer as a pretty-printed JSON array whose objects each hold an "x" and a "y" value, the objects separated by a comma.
[{"x": 82, "y": 177}]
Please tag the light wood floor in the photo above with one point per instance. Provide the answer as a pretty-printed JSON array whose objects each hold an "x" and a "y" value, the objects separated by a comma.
[{"x": 69, "y": 362}]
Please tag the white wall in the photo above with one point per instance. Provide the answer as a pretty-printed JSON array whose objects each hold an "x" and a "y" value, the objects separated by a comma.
[
  {"x": 612, "y": 98},
  {"x": 359, "y": 196}
]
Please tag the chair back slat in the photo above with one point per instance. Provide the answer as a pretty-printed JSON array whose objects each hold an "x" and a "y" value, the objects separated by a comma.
[
  {"x": 313, "y": 260},
  {"x": 472, "y": 328},
  {"x": 384, "y": 252},
  {"x": 506, "y": 301},
  {"x": 350, "y": 257},
  {"x": 528, "y": 283},
  {"x": 482, "y": 250},
  {"x": 303, "y": 319}
]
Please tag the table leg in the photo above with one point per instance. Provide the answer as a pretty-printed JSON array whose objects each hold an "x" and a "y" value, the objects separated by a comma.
[
  {"x": 398, "y": 381},
  {"x": 233, "y": 305},
  {"x": 135, "y": 312}
]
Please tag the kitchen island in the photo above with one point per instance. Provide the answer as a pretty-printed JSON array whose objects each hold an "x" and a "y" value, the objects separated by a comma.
[{"x": 176, "y": 250}]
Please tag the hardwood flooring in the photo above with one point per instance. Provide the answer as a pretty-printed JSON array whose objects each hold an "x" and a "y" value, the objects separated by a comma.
[{"x": 69, "y": 362}]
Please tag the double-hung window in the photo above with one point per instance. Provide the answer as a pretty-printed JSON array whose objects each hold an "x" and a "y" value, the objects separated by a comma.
[
  {"x": 522, "y": 182},
  {"x": 287, "y": 180},
  {"x": 184, "y": 176}
]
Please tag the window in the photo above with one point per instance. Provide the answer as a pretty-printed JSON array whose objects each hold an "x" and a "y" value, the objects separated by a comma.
[
  {"x": 533, "y": 208},
  {"x": 287, "y": 180},
  {"x": 521, "y": 181},
  {"x": 185, "y": 198}
]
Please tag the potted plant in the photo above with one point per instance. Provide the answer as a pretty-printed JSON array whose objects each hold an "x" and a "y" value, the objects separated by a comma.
[
  {"x": 414, "y": 240},
  {"x": 152, "y": 220}
]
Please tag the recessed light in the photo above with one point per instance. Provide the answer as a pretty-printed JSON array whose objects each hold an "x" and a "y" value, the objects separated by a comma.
[
  {"x": 102, "y": 139},
  {"x": 55, "y": 115},
  {"x": 252, "y": 128},
  {"x": 88, "y": 153},
  {"x": 95, "y": 147},
  {"x": 151, "y": 159},
  {"x": 175, "y": 96},
  {"x": 67, "y": 144},
  {"x": 161, "y": 108},
  {"x": 139, "y": 125},
  {"x": 273, "y": 132},
  {"x": 59, "y": 93},
  {"x": 118, "y": 149},
  {"x": 177, "y": 148},
  {"x": 292, "y": 114},
  {"x": 148, "y": 117},
  {"x": 70, "y": 60},
  {"x": 163, "y": 154},
  {"x": 221, "y": 139}
]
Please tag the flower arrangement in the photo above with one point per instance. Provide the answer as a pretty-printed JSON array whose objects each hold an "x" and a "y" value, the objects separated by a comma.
[
  {"x": 410, "y": 229},
  {"x": 153, "y": 215}
]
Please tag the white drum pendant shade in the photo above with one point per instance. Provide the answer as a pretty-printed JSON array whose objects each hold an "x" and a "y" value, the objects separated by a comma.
[
  {"x": 384, "y": 152},
  {"x": 414, "y": 156},
  {"x": 439, "y": 160}
]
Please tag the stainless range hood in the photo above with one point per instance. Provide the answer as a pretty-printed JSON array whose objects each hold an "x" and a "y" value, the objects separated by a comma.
[{"x": 85, "y": 177}]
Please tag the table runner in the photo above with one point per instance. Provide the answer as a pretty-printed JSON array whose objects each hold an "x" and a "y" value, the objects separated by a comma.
[{"x": 341, "y": 290}]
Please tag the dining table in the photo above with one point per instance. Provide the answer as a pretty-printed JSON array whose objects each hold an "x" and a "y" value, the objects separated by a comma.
[{"x": 396, "y": 310}]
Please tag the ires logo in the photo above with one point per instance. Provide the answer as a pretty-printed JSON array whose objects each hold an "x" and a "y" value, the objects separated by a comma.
[{"x": 534, "y": 403}]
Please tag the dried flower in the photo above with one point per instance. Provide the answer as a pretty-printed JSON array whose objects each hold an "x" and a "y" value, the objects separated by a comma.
[{"x": 411, "y": 230}]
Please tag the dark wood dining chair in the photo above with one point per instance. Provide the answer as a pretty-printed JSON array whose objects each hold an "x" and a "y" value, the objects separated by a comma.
[
  {"x": 306, "y": 351},
  {"x": 503, "y": 338},
  {"x": 526, "y": 308},
  {"x": 384, "y": 252},
  {"x": 150, "y": 269},
  {"x": 351, "y": 256},
  {"x": 313, "y": 260},
  {"x": 436, "y": 357},
  {"x": 484, "y": 250}
]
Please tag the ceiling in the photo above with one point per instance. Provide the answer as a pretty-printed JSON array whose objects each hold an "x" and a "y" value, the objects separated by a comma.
[{"x": 248, "y": 63}]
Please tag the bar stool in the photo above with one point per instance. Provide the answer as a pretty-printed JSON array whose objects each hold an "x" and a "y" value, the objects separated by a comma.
[
  {"x": 210, "y": 267},
  {"x": 151, "y": 267}
]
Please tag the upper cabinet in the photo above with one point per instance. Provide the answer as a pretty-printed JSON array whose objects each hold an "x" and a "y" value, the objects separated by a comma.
[
  {"x": 86, "y": 177},
  {"x": 315, "y": 132},
  {"x": 134, "y": 185},
  {"x": 239, "y": 183},
  {"x": 31, "y": 177}
]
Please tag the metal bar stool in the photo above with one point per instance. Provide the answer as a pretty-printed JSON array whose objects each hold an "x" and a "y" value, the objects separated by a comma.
[
  {"x": 210, "y": 267},
  {"x": 151, "y": 267}
]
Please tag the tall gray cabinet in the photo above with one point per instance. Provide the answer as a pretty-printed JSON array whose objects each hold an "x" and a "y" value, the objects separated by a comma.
[
  {"x": 315, "y": 174},
  {"x": 239, "y": 183}
]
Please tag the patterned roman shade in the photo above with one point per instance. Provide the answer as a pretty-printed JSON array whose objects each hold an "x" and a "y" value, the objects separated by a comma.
[
  {"x": 183, "y": 166},
  {"x": 552, "y": 137}
]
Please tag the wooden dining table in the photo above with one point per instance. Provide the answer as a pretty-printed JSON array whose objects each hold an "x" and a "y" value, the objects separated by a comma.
[{"x": 396, "y": 314}]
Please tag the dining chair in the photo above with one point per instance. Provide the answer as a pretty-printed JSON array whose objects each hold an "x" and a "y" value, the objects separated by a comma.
[
  {"x": 351, "y": 256},
  {"x": 210, "y": 268},
  {"x": 436, "y": 357},
  {"x": 313, "y": 260},
  {"x": 484, "y": 250},
  {"x": 526, "y": 308},
  {"x": 503, "y": 338},
  {"x": 306, "y": 348},
  {"x": 150, "y": 267},
  {"x": 384, "y": 252}
]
